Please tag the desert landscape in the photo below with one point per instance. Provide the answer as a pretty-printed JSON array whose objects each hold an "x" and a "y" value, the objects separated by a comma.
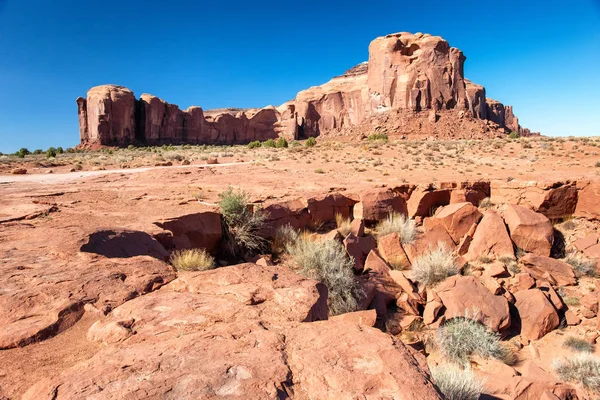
[{"x": 390, "y": 234}]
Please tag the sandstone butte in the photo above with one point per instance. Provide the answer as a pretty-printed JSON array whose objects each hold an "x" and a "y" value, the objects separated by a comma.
[{"x": 411, "y": 84}]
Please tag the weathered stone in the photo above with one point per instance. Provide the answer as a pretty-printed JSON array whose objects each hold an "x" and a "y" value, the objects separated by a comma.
[
  {"x": 538, "y": 266},
  {"x": 200, "y": 230},
  {"x": 457, "y": 219},
  {"x": 537, "y": 315},
  {"x": 425, "y": 199},
  {"x": 588, "y": 205},
  {"x": 530, "y": 231},
  {"x": 390, "y": 248},
  {"x": 377, "y": 204},
  {"x": 324, "y": 208},
  {"x": 490, "y": 239},
  {"x": 359, "y": 247}
]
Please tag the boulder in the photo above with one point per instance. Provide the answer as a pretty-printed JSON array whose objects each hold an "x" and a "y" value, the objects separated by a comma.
[
  {"x": 390, "y": 248},
  {"x": 537, "y": 315},
  {"x": 199, "y": 230},
  {"x": 425, "y": 199},
  {"x": 359, "y": 247},
  {"x": 466, "y": 294},
  {"x": 323, "y": 208},
  {"x": 429, "y": 239},
  {"x": 379, "y": 287},
  {"x": 376, "y": 204},
  {"x": 588, "y": 204},
  {"x": 364, "y": 317},
  {"x": 457, "y": 218},
  {"x": 531, "y": 231},
  {"x": 293, "y": 213},
  {"x": 540, "y": 267},
  {"x": 490, "y": 239}
]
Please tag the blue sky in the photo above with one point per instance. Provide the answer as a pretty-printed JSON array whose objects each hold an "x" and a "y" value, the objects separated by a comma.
[{"x": 543, "y": 57}]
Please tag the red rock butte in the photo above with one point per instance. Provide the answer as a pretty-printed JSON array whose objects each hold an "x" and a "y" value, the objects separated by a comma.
[{"x": 413, "y": 84}]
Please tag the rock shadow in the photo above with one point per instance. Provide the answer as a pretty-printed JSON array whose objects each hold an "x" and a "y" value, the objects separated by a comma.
[{"x": 124, "y": 244}]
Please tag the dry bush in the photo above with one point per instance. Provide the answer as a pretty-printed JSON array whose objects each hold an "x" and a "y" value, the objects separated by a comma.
[
  {"x": 343, "y": 224},
  {"x": 461, "y": 337},
  {"x": 284, "y": 236},
  {"x": 457, "y": 383},
  {"x": 395, "y": 222},
  {"x": 580, "y": 345},
  {"x": 434, "y": 266},
  {"x": 583, "y": 368},
  {"x": 192, "y": 260},
  {"x": 581, "y": 266},
  {"x": 328, "y": 262}
]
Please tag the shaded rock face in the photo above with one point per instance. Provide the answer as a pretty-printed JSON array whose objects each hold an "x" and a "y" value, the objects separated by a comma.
[{"x": 413, "y": 73}]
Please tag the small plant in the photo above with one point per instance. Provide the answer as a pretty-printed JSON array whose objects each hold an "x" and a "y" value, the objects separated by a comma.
[
  {"x": 38, "y": 151},
  {"x": 319, "y": 171},
  {"x": 485, "y": 203},
  {"x": 514, "y": 135},
  {"x": 269, "y": 143},
  {"x": 192, "y": 260},
  {"x": 461, "y": 337},
  {"x": 284, "y": 236},
  {"x": 580, "y": 345},
  {"x": 253, "y": 145},
  {"x": 311, "y": 142},
  {"x": 434, "y": 266},
  {"x": 597, "y": 165},
  {"x": 51, "y": 152},
  {"x": 281, "y": 143},
  {"x": 485, "y": 259},
  {"x": 456, "y": 383},
  {"x": 242, "y": 225},
  {"x": 581, "y": 265},
  {"x": 583, "y": 368},
  {"x": 327, "y": 262},
  {"x": 395, "y": 222},
  {"x": 378, "y": 136},
  {"x": 59, "y": 150},
  {"x": 343, "y": 224}
]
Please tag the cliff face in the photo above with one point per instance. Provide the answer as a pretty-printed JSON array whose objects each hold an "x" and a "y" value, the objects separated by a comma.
[{"x": 410, "y": 80}]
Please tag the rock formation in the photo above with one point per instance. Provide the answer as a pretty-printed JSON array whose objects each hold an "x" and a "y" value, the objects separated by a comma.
[{"x": 411, "y": 84}]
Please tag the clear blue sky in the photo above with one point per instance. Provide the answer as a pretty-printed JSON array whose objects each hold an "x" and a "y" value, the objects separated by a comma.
[{"x": 543, "y": 57}]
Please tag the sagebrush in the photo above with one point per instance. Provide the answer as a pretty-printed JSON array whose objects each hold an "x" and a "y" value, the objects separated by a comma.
[
  {"x": 434, "y": 266},
  {"x": 456, "y": 383},
  {"x": 396, "y": 222},
  {"x": 328, "y": 262},
  {"x": 583, "y": 368}
]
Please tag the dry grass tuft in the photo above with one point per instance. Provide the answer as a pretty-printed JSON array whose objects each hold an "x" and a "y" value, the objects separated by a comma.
[
  {"x": 434, "y": 266},
  {"x": 343, "y": 224},
  {"x": 583, "y": 368},
  {"x": 192, "y": 260},
  {"x": 395, "y": 222},
  {"x": 457, "y": 383}
]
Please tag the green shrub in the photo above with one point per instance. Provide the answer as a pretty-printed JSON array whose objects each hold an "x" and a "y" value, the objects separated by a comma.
[
  {"x": 434, "y": 266},
  {"x": 51, "y": 152},
  {"x": 311, "y": 142},
  {"x": 24, "y": 151},
  {"x": 328, "y": 262},
  {"x": 192, "y": 260},
  {"x": 461, "y": 337},
  {"x": 581, "y": 265},
  {"x": 253, "y": 145},
  {"x": 378, "y": 136},
  {"x": 580, "y": 345},
  {"x": 583, "y": 368},
  {"x": 269, "y": 143},
  {"x": 395, "y": 222},
  {"x": 281, "y": 143},
  {"x": 456, "y": 383},
  {"x": 514, "y": 135},
  {"x": 38, "y": 151},
  {"x": 130, "y": 147},
  {"x": 242, "y": 225},
  {"x": 59, "y": 150}
]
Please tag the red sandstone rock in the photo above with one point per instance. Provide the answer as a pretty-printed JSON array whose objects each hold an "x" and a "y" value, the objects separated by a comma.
[
  {"x": 490, "y": 238},
  {"x": 425, "y": 199},
  {"x": 377, "y": 204},
  {"x": 461, "y": 294},
  {"x": 538, "y": 266},
  {"x": 323, "y": 208},
  {"x": 530, "y": 231},
  {"x": 364, "y": 317},
  {"x": 587, "y": 242},
  {"x": 538, "y": 316},
  {"x": 430, "y": 239},
  {"x": 359, "y": 247},
  {"x": 357, "y": 227},
  {"x": 457, "y": 219},
  {"x": 588, "y": 205},
  {"x": 293, "y": 213},
  {"x": 200, "y": 230},
  {"x": 390, "y": 248}
]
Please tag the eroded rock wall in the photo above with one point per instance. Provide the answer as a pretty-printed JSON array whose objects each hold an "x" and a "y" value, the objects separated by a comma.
[{"x": 407, "y": 77}]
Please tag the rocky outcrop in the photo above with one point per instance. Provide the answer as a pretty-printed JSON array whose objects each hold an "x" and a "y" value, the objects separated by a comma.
[{"x": 407, "y": 77}]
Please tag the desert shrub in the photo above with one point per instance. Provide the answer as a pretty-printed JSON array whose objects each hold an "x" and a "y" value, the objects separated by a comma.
[
  {"x": 311, "y": 142},
  {"x": 583, "y": 368},
  {"x": 319, "y": 171},
  {"x": 130, "y": 147},
  {"x": 456, "y": 383},
  {"x": 284, "y": 236},
  {"x": 51, "y": 152},
  {"x": 59, "y": 150},
  {"x": 24, "y": 151},
  {"x": 434, "y": 266},
  {"x": 269, "y": 143},
  {"x": 192, "y": 260},
  {"x": 378, "y": 136},
  {"x": 38, "y": 151},
  {"x": 343, "y": 224},
  {"x": 253, "y": 145},
  {"x": 327, "y": 262},
  {"x": 461, "y": 337},
  {"x": 514, "y": 135},
  {"x": 581, "y": 265},
  {"x": 580, "y": 345},
  {"x": 395, "y": 222},
  {"x": 242, "y": 225},
  {"x": 281, "y": 143},
  {"x": 486, "y": 203}
]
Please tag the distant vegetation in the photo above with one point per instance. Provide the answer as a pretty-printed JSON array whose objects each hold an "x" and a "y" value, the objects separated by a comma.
[
  {"x": 514, "y": 135},
  {"x": 311, "y": 142},
  {"x": 378, "y": 136}
]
